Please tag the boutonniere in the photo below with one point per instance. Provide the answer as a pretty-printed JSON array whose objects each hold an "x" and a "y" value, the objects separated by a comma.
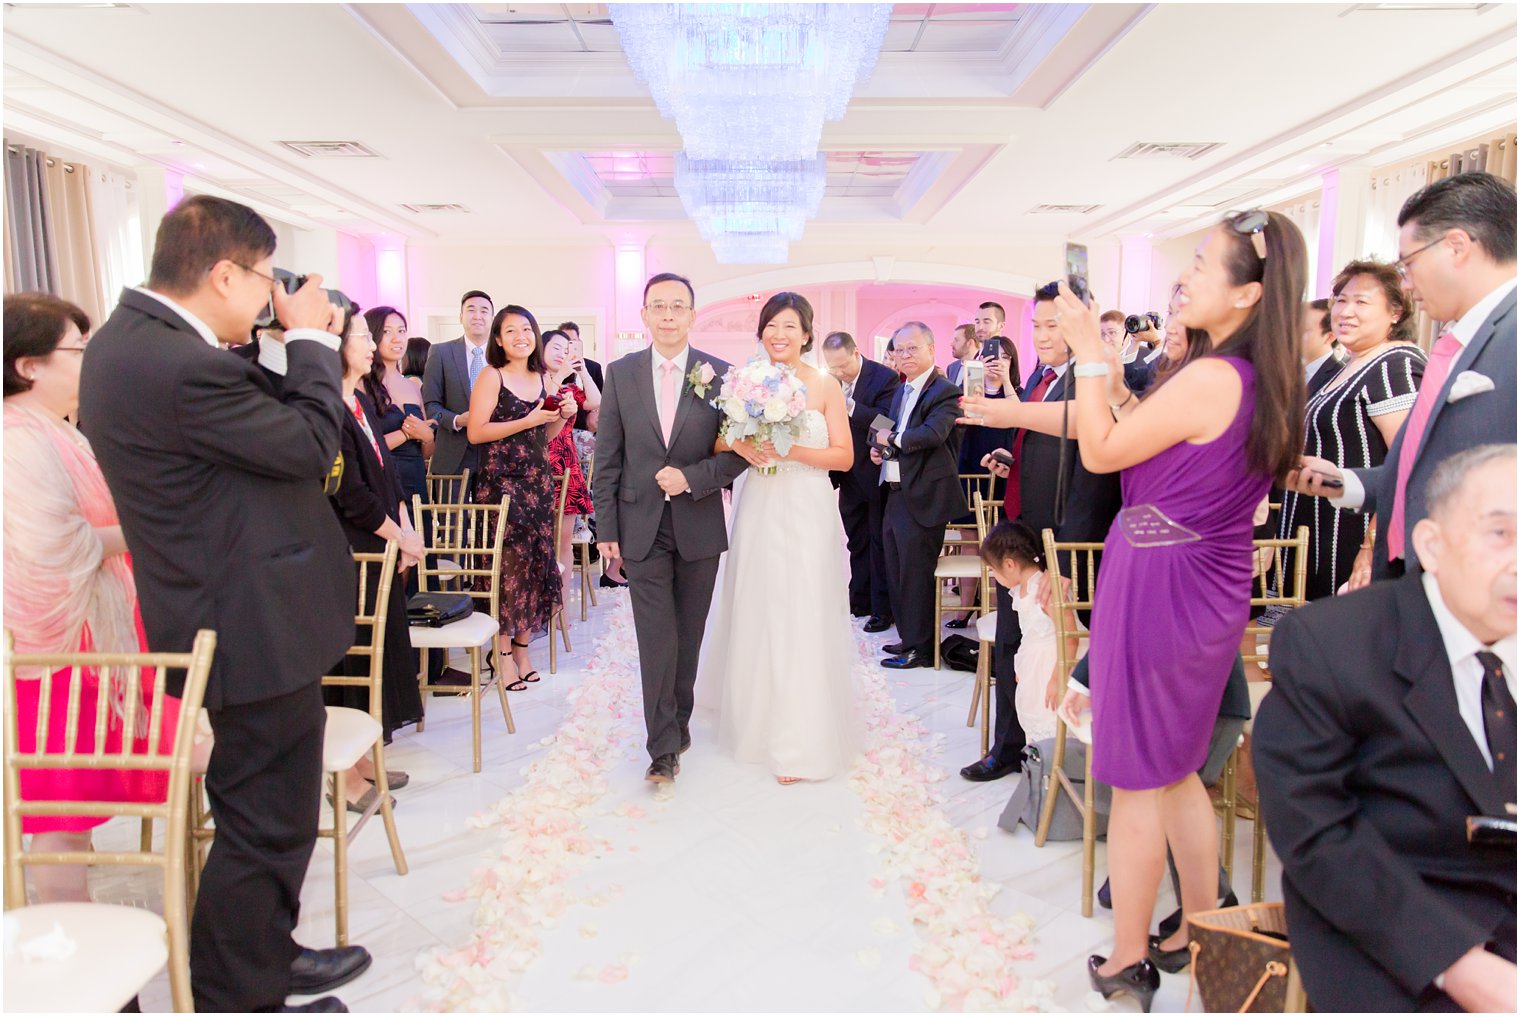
[{"x": 700, "y": 377}]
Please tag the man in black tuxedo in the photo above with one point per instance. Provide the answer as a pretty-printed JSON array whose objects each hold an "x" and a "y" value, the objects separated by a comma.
[
  {"x": 918, "y": 459},
  {"x": 869, "y": 390},
  {"x": 1391, "y": 720},
  {"x": 219, "y": 483},
  {"x": 1457, "y": 256},
  {"x": 452, "y": 368},
  {"x": 1320, "y": 354},
  {"x": 1091, "y": 502}
]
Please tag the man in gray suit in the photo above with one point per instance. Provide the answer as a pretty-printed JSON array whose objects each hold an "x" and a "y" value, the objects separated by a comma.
[
  {"x": 656, "y": 472},
  {"x": 1457, "y": 257},
  {"x": 452, "y": 368}
]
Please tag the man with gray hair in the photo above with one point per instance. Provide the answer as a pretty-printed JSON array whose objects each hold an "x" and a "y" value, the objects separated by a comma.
[
  {"x": 918, "y": 467},
  {"x": 1390, "y": 725}
]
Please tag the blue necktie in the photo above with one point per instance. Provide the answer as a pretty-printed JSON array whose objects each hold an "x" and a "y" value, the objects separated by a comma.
[{"x": 477, "y": 362}]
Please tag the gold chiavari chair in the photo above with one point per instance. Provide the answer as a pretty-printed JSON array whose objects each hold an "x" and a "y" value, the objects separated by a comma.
[
  {"x": 351, "y": 733},
  {"x": 1281, "y": 582},
  {"x": 559, "y": 620},
  {"x": 580, "y": 558},
  {"x": 446, "y": 490},
  {"x": 986, "y": 625},
  {"x": 1078, "y": 563},
  {"x": 972, "y": 486},
  {"x": 118, "y": 948},
  {"x": 473, "y": 534}
]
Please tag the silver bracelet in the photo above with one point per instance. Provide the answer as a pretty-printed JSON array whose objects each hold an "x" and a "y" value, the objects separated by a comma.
[{"x": 1090, "y": 370}]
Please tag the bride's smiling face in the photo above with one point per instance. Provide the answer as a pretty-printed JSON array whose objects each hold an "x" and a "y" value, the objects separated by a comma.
[{"x": 784, "y": 337}]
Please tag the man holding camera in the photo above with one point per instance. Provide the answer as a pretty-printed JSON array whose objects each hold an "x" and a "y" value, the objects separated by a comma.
[{"x": 219, "y": 484}]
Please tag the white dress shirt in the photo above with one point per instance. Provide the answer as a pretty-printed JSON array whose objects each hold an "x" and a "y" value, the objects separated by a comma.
[
  {"x": 1462, "y": 647},
  {"x": 1353, "y": 494},
  {"x": 313, "y": 334},
  {"x": 891, "y": 471}
]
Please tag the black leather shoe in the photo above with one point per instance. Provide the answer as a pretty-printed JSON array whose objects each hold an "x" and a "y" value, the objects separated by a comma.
[
  {"x": 989, "y": 768},
  {"x": 1138, "y": 979},
  {"x": 1169, "y": 924},
  {"x": 859, "y": 613},
  {"x": 317, "y": 970},
  {"x": 663, "y": 769},
  {"x": 607, "y": 583},
  {"x": 331, "y": 1003},
  {"x": 877, "y": 625},
  {"x": 1173, "y": 961},
  {"x": 895, "y": 648},
  {"x": 908, "y": 661}
]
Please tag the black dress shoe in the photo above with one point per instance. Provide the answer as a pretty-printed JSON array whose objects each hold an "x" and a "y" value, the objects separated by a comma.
[
  {"x": 989, "y": 768},
  {"x": 1138, "y": 979},
  {"x": 663, "y": 769},
  {"x": 607, "y": 583},
  {"x": 908, "y": 661},
  {"x": 877, "y": 625},
  {"x": 895, "y": 648},
  {"x": 1173, "y": 961},
  {"x": 1169, "y": 924},
  {"x": 317, "y": 970},
  {"x": 329, "y": 1004},
  {"x": 854, "y": 612}
]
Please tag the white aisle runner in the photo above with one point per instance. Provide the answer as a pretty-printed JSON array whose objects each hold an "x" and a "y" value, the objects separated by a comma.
[{"x": 726, "y": 891}]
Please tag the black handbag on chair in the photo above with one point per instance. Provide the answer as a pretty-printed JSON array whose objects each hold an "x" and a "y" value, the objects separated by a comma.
[{"x": 434, "y": 610}]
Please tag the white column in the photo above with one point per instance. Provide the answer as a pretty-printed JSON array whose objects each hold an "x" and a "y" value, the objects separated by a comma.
[
  {"x": 1135, "y": 257},
  {"x": 1343, "y": 203}
]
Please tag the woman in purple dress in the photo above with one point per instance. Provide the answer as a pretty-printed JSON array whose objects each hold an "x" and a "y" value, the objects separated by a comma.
[{"x": 1198, "y": 455}]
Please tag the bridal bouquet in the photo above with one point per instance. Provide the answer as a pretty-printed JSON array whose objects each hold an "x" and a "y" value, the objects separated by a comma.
[{"x": 762, "y": 402}]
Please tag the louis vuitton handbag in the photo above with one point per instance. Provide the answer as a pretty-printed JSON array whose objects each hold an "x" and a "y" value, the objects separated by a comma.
[{"x": 1240, "y": 958}]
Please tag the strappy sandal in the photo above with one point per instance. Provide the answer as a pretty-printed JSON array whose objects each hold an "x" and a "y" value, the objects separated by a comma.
[{"x": 531, "y": 677}]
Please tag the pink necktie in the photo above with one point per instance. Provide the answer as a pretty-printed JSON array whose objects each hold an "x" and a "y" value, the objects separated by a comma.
[
  {"x": 667, "y": 399},
  {"x": 1436, "y": 368}
]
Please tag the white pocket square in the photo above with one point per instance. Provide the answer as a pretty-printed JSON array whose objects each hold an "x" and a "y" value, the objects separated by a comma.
[{"x": 1469, "y": 382}]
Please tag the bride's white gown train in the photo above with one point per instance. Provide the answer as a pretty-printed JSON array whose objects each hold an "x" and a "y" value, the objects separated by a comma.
[{"x": 778, "y": 650}]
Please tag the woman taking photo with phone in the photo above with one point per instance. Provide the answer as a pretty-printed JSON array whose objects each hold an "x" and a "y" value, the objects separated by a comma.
[{"x": 511, "y": 413}]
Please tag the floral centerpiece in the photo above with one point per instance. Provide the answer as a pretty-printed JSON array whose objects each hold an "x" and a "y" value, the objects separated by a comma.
[{"x": 761, "y": 401}]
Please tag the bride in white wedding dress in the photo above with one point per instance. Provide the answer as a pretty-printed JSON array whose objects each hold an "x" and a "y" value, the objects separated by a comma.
[{"x": 778, "y": 651}]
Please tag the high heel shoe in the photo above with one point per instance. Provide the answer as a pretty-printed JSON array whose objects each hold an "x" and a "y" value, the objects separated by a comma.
[
  {"x": 1138, "y": 979},
  {"x": 607, "y": 583},
  {"x": 1173, "y": 961}
]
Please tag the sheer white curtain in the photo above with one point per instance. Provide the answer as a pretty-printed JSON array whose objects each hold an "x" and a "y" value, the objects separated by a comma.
[
  {"x": 1390, "y": 189},
  {"x": 118, "y": 234},
  {"x": 1305, "y": 215}
]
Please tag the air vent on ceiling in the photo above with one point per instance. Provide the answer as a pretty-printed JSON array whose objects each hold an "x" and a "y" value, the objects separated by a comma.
[
  {"x": 1402, "y": 7},
  {"x": 1062, "y": 209},
  {"x": 1168, "y": 149},
  {"x": 420, "y": 209},
  {"x": 329, "y": 149}
]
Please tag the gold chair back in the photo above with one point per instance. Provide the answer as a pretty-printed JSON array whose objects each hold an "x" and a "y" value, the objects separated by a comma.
[
  {"x": 371, "y": 615},
  {"x": 560, "y": 619},
  {"x": 470, "y": 535},
  {"x": 176, "y": 762},
  {"x": 973, "y": 485},
  {"x": 1282, "y": 582},
  {"x": 448, "y": 488}
]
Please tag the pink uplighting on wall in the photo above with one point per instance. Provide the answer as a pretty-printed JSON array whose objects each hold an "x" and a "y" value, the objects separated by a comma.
[
  {"x": 356, "y": 269},
  {"x": 390, "y": 277},
  {"x": 628, "y": 282}
]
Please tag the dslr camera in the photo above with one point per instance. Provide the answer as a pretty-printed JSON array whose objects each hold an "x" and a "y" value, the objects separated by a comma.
[
  {"x": 292, "y": 282},
  {"x": 1137, "y": 323}
]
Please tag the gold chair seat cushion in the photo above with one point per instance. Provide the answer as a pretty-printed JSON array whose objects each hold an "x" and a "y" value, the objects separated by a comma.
[
  {"x": 117, "y": 950},
  {"x": 961, "y": 566},
  {"x": 472, "y": 631},
  {"x": 350, "y": 733},
  {"x": 986, "y": 627}
]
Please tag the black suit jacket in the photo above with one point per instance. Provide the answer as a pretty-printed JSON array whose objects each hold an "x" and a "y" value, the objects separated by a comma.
[
  {"x": 1486, "y": 417},
  {"x": 1322, "y": 376},
  {"x": 369, "y": 491},
  {"x": 1092, "y": 499},
  {"x": 875, "y": 389},
  {"x": 928, "y": 449},
  {"x": 218, "y": 482},
  {"x": 1366, "y": 773}
]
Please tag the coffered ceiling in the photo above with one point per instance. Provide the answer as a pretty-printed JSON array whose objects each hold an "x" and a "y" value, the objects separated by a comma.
[{"x": 524, "y": 119}]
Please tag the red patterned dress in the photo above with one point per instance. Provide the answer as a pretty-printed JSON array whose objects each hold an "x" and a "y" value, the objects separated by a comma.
[{"x": 563, "y": 458}]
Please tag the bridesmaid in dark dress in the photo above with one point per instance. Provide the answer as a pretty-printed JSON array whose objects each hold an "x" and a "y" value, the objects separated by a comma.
[
  {"x": 370, "y": 508},
  {"x": 508, "y": 416},
  {"x": 398, "y": 400},
  {"x": 1353, "y": 419}
]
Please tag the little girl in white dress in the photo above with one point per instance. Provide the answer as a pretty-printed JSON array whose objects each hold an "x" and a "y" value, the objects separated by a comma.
[{"x": 1016, "y": 559}]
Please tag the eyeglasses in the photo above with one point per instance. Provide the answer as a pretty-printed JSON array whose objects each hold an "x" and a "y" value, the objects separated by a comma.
[
  {"x": 907, "y": 350},
  {"x": 254, "y": 271},
  {"x": 1252, "y": 223},
  {"x": 68, "y": 349},
  {"x": 660, "y": 307},
  {"x": 1402, "y": 264}
]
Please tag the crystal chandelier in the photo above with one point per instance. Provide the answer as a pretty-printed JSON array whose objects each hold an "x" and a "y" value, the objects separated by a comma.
[{"x": 749, "y": 86}]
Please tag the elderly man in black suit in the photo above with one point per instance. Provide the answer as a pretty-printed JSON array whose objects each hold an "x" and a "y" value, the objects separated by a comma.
[
  {"x": 219, "y": 482},
  {"x": 918, "y": 457},
  {"x": 869, "y": 390},
  {"x": 1457, "y": 256},
  {"x": 1390, "y": 722}
]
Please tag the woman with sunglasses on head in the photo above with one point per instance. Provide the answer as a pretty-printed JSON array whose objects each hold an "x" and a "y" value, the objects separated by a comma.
[{"x": 1198, "y": 455}]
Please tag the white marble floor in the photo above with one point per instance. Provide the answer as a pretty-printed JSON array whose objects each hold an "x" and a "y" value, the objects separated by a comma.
[{"x": 730, "y": 894}]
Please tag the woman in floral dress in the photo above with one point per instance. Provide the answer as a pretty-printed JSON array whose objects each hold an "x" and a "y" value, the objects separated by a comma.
[
  {"x": 509, "y": 418},
  {"x": 563, "y": 455}
]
